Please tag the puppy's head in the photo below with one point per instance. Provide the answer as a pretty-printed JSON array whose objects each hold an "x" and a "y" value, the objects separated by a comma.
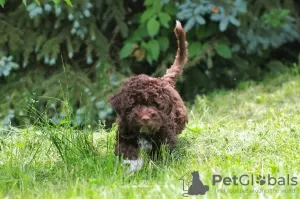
[
  {"x": 145, "y": 119},
  {"x": 144, "y": 104}
]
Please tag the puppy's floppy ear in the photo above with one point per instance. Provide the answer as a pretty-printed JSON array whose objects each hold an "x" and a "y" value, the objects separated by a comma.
[{"x": 121, "y": 101}]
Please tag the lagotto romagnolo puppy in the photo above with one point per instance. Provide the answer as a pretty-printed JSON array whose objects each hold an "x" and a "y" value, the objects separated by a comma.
[{"x": 150, "y": 112}]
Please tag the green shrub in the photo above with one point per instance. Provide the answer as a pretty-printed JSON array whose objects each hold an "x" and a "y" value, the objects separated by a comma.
[
  {"x": 56, "y": 53},
  {"x": 80, "y": 51}
]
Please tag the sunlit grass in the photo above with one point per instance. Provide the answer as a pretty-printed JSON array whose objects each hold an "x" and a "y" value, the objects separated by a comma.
[{"x": 253, "y": 129}]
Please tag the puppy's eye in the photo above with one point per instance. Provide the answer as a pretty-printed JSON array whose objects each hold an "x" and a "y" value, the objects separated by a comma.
[{"x": 152, "y": 115}]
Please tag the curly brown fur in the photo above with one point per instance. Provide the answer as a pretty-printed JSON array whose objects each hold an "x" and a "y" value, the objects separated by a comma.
[{"x": 151, "y": 107}]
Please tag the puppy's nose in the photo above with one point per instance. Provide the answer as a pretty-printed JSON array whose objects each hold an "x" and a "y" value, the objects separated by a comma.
[{"x": 145, "y": 118}]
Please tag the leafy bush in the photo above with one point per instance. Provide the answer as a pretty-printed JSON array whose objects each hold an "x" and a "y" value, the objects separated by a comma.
[
  {"x": 224, "y": 13},
  {"x": 80, "y": 51},
  {"x": 229, "y": 40},
  {"x": 60, "y": 49}
]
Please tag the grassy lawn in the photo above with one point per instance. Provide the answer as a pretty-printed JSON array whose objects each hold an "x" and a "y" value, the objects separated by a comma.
[{"x": 252, "y": 130}]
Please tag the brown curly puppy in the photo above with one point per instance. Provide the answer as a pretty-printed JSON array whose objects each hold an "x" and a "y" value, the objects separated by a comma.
[{"x": 151, "y": 108}]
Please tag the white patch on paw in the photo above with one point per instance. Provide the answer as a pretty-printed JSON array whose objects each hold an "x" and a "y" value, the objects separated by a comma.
[
  {"x": 144, "y": 144},
  {"x": 135, "y": 165}
]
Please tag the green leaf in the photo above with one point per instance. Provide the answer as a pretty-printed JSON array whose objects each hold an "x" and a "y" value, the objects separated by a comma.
[
  {"x": 64, "y": 121},
  {"x": 190, "y": 24},
  {"x": 164, "y": 19},
  {"x": 194, "y": 49},
  {"x": 153, "y": 27},
  {"x": 69, "y": 2},
  {"x": 25, "y": 2},
  {"x": 56, "y": 2},
  {"x": 157, "y": 5},
  {"x": 224, "y": 24},
  {"x": 234, "y": 21},
  {"x": 126, "y": 50},
  {"x": 38, "y": 2},
  {"x": 223, "y": 50},
  {"x": 147, "y": 15},
  {"x": 145, "y": 46},
  {"x": 140, "y": 33},
  {"x": 200, "y": 20},
  {"x": 171, "y": 8},
  {"x": 2, "y": 2},
  {"x": 149, "y": 59},
  {"x": 164, "y": 43},
  {"x": 153, "y": 47}
]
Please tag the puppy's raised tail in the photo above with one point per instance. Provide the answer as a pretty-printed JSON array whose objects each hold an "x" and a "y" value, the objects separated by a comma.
[{"x": 181, "y": 58}]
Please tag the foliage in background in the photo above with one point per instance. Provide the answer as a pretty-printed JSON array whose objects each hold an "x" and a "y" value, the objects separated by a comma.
[
  {"x": 59, "y": 49},
  {"x": 54, "y": 52},
  {"x": 229, "y": 40}
]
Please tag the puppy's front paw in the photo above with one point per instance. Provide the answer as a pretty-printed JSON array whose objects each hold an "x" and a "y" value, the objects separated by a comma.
[{"x": 134, "y": 165}]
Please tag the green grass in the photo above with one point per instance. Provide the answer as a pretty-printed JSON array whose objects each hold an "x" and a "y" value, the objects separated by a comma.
[{"x": 254, "y": 129}]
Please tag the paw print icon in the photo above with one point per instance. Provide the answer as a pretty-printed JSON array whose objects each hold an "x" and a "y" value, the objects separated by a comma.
[{"x": 261, "y": 180}]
